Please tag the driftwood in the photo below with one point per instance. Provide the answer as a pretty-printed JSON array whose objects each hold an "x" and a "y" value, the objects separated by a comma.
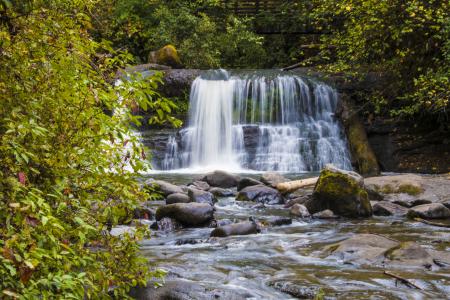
[
  {"x": 290, "y": 186},
  {"x": 404, "y": 280},
  {"x": 432, "y": 223},
  {"x": 295, "y": 66}
]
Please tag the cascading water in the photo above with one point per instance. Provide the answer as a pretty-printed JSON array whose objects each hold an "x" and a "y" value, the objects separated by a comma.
[{"x": 260, "y": 122}]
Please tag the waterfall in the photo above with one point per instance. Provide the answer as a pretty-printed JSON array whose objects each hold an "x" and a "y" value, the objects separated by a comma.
[{"x": 259, "y": 121}]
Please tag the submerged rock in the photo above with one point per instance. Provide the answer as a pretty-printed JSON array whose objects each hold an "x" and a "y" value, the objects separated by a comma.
[
  {"x": 242, "y": 228},
  {"x": 221, "y": 179},
  {"x": 164, "y": 187},
  {"x": 385, "y": 208},
  {"x": 278, "y": 221},
  {"x": 430, "y": 211},
  {"x": 272, "y": 178},
  {"x": 220, "y": 192},
  {"x": 300, "y": 210},
  {"x": 247, "y": 181},
  {"x": 200, "y": 196},
  {"x": 294, "y": 289},
  {"x": 188, "y": 214},
  {"x": 325, "y": 214},
  {"x": 177, "y": 198},
  {"x": 340, "y": 191},
  {"x": 260, "y": 193}
]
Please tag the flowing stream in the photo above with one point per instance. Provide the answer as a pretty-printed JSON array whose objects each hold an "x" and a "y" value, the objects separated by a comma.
[{"x": 259, "y": 120}]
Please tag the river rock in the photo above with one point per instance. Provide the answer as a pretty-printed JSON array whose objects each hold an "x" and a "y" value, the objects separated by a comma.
[
  {"x": 200, "y": 196},
  {"x": 385, "y": 208},
  {"x": 144, "y": 213},
  {"x": 430, "y": 211},
  {"x": 278, "y": 221},
  {"x": 242, "y": 228},
  {"x": 164, "y": 187},
  {"x": 221, "y": 179},
  {"x": 167, "y": 55},
  {"x": 247, "y": 181},
  {"x": 166, "y": 224},
  {"x": 300, "y": 210},
  {"x": 410, "y": 254},
  {"x": 325, "y": 214},
  {"x": 297, "y": 200},
  {"x": 200, "y": 185},
  {"x": 447, "y": 204},
  {"x": 379, "y": 186},
  {"x": 188, "y": 214},
  {"x": 340, "y": 191},
  {"x": 220, "y": 192},
  {"x": 260, "y": 193},
  {"x": 294, "y": 289},
  {"x": 177, "y": 198},
  {"x": 272, "y": 178}
]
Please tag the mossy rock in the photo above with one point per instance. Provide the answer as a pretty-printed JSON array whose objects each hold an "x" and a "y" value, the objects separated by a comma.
[
  {"x": 167, "y": 55},
  {"x": 341, "y": 192}
]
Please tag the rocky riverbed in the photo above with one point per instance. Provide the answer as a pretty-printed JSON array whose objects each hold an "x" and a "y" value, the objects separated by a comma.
[{"x": 223, "y": 236}]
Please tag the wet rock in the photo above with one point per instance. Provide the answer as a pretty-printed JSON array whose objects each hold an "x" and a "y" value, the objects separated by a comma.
[
  {"x": 447, "y": 204},
  {"x": 187, "y": 242},
  {"x": 166, "y": 225},
  {"x": 184, "y": 290},
  {"x": 294, "y": 289},
  {"x": 247, "y": 181},
  {"x": 325, "y": 214},
  {"x": 278, "y": 221},
  {"x": 258, "y": 206},
  {"x": 188, "y": 214},
  {"x": 223, "y": 222},
  {"x": 272, "y": 178},
  {"x": 298, "y": 200},
  {"x": 164, "y": 187},
  {"x": 379, "y": 186},
  {"x": 340, "y": 191},
  {"x": 220, "y": 192},
  {"x": 177, "y": 198},
  {"x": 242, "y": 228},
  {"x": 385, "y": 208},
  {"x": 200, "y": 196},
  {"x": 260, "y": 193},
  {"x": 300, "y": 210},
  {"x": 221, "y": 179},
  {"x": 144, "y": 213},
  {"x": 361, "y": 248},
  {"x": 410, "y": 254},
  {"x": 430, "y": 211},
  {"x": 200, "y": 185}
]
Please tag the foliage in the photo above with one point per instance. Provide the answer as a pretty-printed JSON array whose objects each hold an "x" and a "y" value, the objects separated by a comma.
[
  {"x": 67, "y": 167},
  {"x": 205, "y": 34}
]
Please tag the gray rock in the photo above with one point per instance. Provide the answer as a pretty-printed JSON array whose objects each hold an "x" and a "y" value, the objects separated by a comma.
[
  {"x": 278, "y": 221},
  {"x": 247, "y": 181},
  {"x": 221, "y": 179},
  {"x": 380, "y": 186},
  {"x": 385, "y": 208},
  {"x": 224, "y": 222},
  {"x": 166, "y": 225},
  {"x": 177, "y": 198},
  {"x": 447, "y": 204},
  {"x": 340, "y": 191},
  {"x": 325, "y": 214},
  {"x": 200, "y": 185},
  {"x": 294, "y": 289},
  {"x": 410, "y": 254},
  {"x": 298, "y": 200},
  {"x": 220, "y": 192},
  {"x": 260, "y": 193},
  {"x": 300, "y": 210},
  {"x": 188, "y": 214},
  {"x": 200, "y": 196},
  {"x": 430, "y": 211},
  {"x": 164, "y": 187},
  {"x": 242, "y": 228},
  {"x": 272, "y": 178}
]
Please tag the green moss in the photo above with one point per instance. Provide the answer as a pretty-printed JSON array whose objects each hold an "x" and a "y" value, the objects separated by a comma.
[{"x": 410, "y": 189}]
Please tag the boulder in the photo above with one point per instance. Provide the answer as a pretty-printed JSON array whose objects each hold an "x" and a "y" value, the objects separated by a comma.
[
  {"x": 167, "y": 55},
  {"x": 242, "y": 228},
  {"x": 200, "y": 185},
  {"x": 430, "y": 211},
  {"x": 188, "y": 214},
  {"x": 220, "y": 192},
  {"x": 340, "y": 191},
  {"x": 221, "y": 179},
  {"x": 247, "y": 181},
  {"x": 410, "y": 254},
  {"x": 200, "y": 196},
  {"x": 272, "y": 179},
  {"x": 177, "y": 198},
  {"x": 325, "y": 214},
  {"x": 260, "y": 193},
  {"x": 379, "y": 186},
  {"x": 300, "y": 210},
  {"x": 385, "y": 208},
  {"x": 164, "y": 187}
]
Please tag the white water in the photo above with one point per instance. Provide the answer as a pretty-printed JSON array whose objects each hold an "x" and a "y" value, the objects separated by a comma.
[{"x": 259, "y": 122}]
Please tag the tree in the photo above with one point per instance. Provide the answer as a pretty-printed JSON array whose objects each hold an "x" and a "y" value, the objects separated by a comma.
[{"x": 68, "y": 168}]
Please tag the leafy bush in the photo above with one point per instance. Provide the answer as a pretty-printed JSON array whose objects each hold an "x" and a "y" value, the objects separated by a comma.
[{"x": 67, "y": 168}]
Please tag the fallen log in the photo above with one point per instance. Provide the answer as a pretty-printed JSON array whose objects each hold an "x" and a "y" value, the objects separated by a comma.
[
  {"x": 404, "y": 280},
  {"x": 290, "y": 186}
]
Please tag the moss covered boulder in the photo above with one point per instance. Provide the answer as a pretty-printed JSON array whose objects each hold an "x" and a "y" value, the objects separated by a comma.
[
  {"x": 340, "y": 191},
  {"x": 167, "y": 55}
]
